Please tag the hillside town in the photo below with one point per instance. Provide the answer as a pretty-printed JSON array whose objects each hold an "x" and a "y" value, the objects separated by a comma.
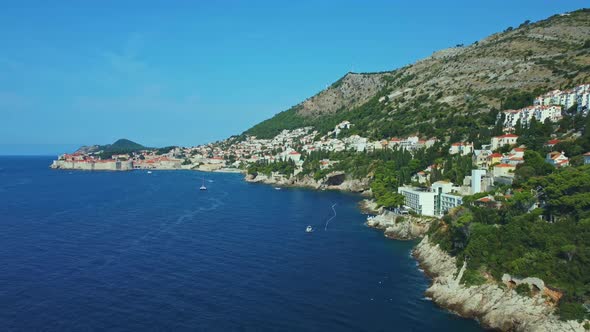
[
  {"x": 481, "y": 151},
  {"x": 431, "y": 198}
]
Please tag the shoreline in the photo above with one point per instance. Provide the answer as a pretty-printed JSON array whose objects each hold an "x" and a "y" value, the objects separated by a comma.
[
  {"x": 494, "y": 305},
  {"x": 491, "y": 305}
]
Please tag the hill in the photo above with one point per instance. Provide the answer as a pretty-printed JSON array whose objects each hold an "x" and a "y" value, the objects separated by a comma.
[
  {"x": 123, "y": 144},
  {"x": 461, "y": 87},
  {"x": 120, "y": 146}
]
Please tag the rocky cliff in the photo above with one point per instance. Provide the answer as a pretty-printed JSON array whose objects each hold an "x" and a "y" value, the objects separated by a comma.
[
  {"x": 349, "y": 185},
  {"x": 400, "y": 227},
  {"x": 494, "y": 306}
]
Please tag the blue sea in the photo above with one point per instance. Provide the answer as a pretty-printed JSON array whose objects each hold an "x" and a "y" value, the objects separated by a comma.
[{"x": 132, "y": 251}]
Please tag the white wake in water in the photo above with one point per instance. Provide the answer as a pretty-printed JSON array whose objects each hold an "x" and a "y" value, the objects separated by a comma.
[{"x": 334, "y": 216}]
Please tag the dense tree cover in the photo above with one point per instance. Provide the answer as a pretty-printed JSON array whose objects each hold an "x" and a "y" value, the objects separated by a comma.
[
  {"x": 456, "y": 167},
  {"x": 283, "y": 167},
  {"x": 518, "y": 99},
  {"x": 551, "y": 242},
  {"x": 269, "y": 128},
  {"x": 121, "y": 146},
  {"x": 384, "y": 185},
  {"x": 360, "y": 165},
  {"x": 534, "y": 165}
]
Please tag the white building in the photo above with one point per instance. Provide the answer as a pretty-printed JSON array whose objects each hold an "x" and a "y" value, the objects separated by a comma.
[
  {"x": 583, "y": 101},
  {"x": 447, "y": 197},
  {"x": 434, "y": 201},
  {"x": 420, "y": 200},
  {"x": 557, "y": 159},
  {"x": 499, "y": 141},
  {"x": 476, "y": 176},
  {"x": 449, "y": 201},
  {"x": 568, "y": 98},
  {"x": 504, "y": 170},
  {"x": 526, "y": 114},
  {"x": 462, "y": 148}
]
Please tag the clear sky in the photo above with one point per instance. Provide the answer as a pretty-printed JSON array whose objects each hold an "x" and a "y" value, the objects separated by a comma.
[{"x": 188, "y": 72}]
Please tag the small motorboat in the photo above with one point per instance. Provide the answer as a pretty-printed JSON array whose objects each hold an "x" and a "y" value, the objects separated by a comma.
[
  {"x": 309, "y": 229},
  {"x": 149, "y": 172},
  {"x": 203, "y": 185},
  {"x": 277, "y": 188}
]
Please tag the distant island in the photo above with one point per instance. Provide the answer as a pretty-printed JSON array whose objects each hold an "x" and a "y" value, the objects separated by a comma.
[{"x": 481, "y": 150}]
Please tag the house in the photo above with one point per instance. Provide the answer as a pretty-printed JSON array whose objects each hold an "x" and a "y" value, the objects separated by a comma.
[
  {"x": 504, "y": 170},
  {"x": 586, "y": 158},
  {"x": 481, "y": 158},
  {"x": 500, "y": 141},
  {"x": 294, "y": 156},
  {"x": 461, "y": 148},
  {"x": 551, "y": 143},
  {"x": 494, "y": 158},
  {"x": 557, "y": 159},
  {"x": 422, "y": 177},
  {"x": 514, "y": 157}
]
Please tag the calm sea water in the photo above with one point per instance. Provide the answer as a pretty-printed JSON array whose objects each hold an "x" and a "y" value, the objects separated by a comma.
[{"x": 89, "y": 251}]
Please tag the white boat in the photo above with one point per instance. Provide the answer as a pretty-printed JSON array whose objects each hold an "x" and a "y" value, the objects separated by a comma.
[
  {"x": 277, "y": 188},
  {"x": 149, "y": 172},
  {"x": 309, "y": 229},
  {"x": 203, "y": 185}
]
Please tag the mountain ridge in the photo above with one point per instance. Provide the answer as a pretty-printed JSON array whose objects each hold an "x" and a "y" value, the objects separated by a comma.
[{"x": 469, "y": 81}]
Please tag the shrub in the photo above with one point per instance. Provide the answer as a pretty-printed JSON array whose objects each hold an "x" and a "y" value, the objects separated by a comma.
[
  {"x": 523, "y": 289},
  {"x": 472, "y": 278}
]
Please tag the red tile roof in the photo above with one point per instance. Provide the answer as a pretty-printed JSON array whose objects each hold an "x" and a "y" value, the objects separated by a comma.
[{"x": 508, "y": 136}]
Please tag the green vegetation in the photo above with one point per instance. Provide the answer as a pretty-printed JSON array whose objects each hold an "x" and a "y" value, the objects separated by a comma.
[
  {"x": 551, "y": 242},
  {"x": 472, "y": 278},
  {"x": 125, "y": 144},
  {"x": 282, "y": 167},
  {"x": 543, "y": 227},
  {"x": 516, "y": 99},
  {"x": 165, "y": 150},
  {"x": 121, "y": 146},
  {"x": 523, "y": 289},
  {"x": 288, "y": 119},
  {"x": 384, "y": 186}
]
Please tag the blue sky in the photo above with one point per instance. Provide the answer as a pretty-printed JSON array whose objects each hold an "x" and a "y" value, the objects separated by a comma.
[{"x": 188, "y": 72}]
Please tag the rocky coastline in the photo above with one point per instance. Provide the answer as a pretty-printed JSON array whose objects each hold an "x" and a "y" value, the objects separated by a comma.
[
  {"x": 494, "y": 305},
  {"x": 399, "y": 227},
  {"x": 335, "y": 181}
]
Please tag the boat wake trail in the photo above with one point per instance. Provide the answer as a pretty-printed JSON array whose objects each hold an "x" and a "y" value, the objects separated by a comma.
[{"x": 334, "y": 216}]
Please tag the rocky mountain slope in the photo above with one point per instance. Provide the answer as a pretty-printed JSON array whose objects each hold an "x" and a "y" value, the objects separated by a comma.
[{"x": 497, "y": 72}]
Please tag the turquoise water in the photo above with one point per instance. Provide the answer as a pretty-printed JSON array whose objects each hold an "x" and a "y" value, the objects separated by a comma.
[{"x": 149, "y": 252}]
